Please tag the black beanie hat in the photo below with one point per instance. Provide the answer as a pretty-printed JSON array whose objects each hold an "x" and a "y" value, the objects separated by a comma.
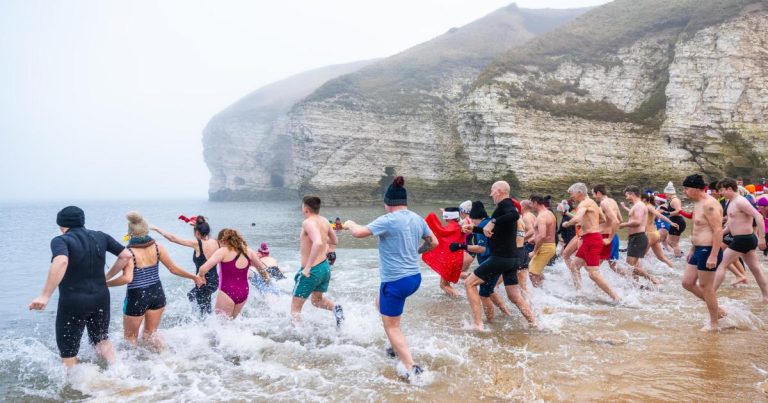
[
  {"x": 396, "y": 194},
  {"x": 478, "y": 211},
  {"x": 71, "y": 217},
  {"x": 695, "y": 181}
]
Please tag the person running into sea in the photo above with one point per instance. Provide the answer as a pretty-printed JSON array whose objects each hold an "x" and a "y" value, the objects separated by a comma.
[
  {"x": 443, "y": 260},
  {"x": 544, "y": 242},
  {"x": 234, "y": 259},
  {"x": 203, "y": 246},
  {"x": 706, "y": 254},
  {"x": 637, "y": 240},
  {"x": 651, "y": 230},
  {"x": 741, "y": 216},
  {"x": 504, "y": 259},
  {"x": 673, "y": 208},
  {"x": 488, "y": 297},
  {"x": 314, "y": 276},
  {"x": 589, "y": 215},
  {"x": 609, "y": 229},
  {"x": 144, "y": 297},
  {"x": 273, "y": 271},
  {"x": 399, "y": 232},
  {"x": 528, "y": 224},
  {"x": 77, "y": 270}
]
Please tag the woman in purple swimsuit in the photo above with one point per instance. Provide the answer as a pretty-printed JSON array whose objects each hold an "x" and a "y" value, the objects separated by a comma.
[{"x": 234, "y": 257}]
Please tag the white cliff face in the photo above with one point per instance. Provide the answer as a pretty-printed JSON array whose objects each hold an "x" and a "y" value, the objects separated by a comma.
[{"x": 718, "y": 84}]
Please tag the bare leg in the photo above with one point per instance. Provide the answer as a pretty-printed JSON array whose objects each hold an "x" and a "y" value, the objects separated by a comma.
[
  {"x": 499, "y": 302},
  {"x": 522, "y": 280},
  {"x": 638, "y": 270},
  {"x": 296, "y": 305},
  {"x": 106, "y": 350},
  {"x": 448, "y": 289},
  {"x": 473, "y": 296},
  {"x": 738, "y": 270},
  {"x": 131, "y": 326},
  {"x": 664, "y": 239},
  {"x": 656, "y": 247},
  {"x": 594, "y": 275},
  {"x": 674, "y": 243},
  {"x": 69, "y": 362},
  {"x": 397, "y": 340},
  {"x": 225, "y": 306},
  {"x": 729, "y": 257},
  {"x": 151, "y": 323},
  {"x": 514, "y": 295},
  {"x": 536, "y": 280},
  {"x": 237, "y": 309},
  {"x": 318, "y": 300},
  {"x": 689, "y": 282},
  {"x": 575, "y": 268},
  {"x": 707, "y": 282},
  {"x": 753, "y": 262}
]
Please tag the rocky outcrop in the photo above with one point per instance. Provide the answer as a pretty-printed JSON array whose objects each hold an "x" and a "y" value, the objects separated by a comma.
[
  {"x": 247, "y": 146},
  {"x": 630, "y": 92}
]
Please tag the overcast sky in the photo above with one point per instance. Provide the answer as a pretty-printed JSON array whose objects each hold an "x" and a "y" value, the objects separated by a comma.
[{"x": 108, "y": 99}]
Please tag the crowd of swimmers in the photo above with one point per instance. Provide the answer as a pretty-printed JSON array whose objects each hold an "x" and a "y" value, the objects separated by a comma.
[{"x": 513, "y": 245}]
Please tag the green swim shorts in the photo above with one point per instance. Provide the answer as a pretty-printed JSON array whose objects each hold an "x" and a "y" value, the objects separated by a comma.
[{"x": 319, "y": 277}]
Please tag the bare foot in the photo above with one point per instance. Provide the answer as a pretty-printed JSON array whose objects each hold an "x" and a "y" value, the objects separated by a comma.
[
  {"x": 479, "y": 327},
  {"x": 742, "y": 280},
  {"x": 721, "y": 313},
  {"x": 710, "y": 327},
  {"x": 450, "y": 291}
]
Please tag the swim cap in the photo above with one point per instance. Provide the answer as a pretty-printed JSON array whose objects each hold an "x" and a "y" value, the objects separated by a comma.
[
  {"x": 71, "y": 217},
  {"x": 694, "y": 181},
  {"x": 763, "y": 202},
  {"x": 264, "y": 249},
  {"x": 670, "y": 189},
  {"x": 465, "y": 207}
]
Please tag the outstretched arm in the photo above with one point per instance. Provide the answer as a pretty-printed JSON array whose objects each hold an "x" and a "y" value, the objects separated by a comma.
[
  {"x": 122, "y": 261},
  {"x": 212, "y": 262},
  {"x": 357, "y": 230},
  {"x": 258, "y": 264},
  {"x": 125, "y": 278},
  {"x": 171, "y": 265},
  {"x": 191, "y": 243}
]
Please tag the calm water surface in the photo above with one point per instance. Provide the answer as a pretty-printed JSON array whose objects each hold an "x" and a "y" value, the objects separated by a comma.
[{"x": 648, "y": 347}]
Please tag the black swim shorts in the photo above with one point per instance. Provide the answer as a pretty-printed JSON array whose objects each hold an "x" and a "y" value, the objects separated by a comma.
[{"x": 743, "y": 243}]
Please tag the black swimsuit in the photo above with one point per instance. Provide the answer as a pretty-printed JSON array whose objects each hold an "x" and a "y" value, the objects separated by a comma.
[{"x": 202, "y": 295}]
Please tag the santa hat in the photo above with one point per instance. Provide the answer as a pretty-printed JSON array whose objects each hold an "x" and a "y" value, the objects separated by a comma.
[{"x": 759, "y": 189}]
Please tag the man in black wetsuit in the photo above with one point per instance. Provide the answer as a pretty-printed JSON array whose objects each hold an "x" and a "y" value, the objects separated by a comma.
[
  {"x": 77, "y": 268},
  {"x": 501, "y": 232}
]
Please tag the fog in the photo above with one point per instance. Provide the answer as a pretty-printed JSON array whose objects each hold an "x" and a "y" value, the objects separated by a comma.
[{"x": 108, "y": 99}]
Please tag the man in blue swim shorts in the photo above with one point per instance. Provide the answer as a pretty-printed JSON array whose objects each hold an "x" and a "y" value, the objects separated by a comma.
[
  {"x": 399, "y": 232},
  {"x": 706, "y": 253}
]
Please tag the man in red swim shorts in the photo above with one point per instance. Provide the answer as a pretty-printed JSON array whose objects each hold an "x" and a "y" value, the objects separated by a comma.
[{"x": 589, "y": 216}]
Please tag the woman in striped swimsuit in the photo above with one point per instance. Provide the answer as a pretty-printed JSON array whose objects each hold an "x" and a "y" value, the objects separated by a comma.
[{"x": 145, "y": 298}]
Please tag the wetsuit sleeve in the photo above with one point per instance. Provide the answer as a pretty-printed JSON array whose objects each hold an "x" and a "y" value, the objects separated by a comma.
[
  {"x": 379, "y": 226},
  {"x": 113, "y": 246},
  {"x": 505, "y": 212},
  {"x": 58, "y": 248}
]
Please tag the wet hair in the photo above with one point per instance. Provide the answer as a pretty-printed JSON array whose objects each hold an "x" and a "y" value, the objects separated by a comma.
[
  {"x": 542, "y": 200},
  {"x": 728, "y": 183},
  {"x": 633, "y": 189},
  {"x": 578, "y": 188},
  {"x": 233, "y": 240},
  {"x": 312, "y": 202},
  {"x": 599, "y": 188},
  {"x": 201, "y": 226},
  {"x": 648, "y": 198}
]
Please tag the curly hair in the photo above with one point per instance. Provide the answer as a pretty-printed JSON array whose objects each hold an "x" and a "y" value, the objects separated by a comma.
[{"x": 233, "y": 240}]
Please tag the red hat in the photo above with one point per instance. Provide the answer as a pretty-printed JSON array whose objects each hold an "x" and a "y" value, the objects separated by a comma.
[
  {"x": 661, "y": 195},
  {"x": 759, "y": 189}
]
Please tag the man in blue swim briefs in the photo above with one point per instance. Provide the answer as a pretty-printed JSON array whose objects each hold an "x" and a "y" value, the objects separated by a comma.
[
  {"x": 706, "y": 253},
  {"x": 399, "y": 232}
]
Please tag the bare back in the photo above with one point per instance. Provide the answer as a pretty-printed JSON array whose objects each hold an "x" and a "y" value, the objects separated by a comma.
[
  {"x": 704, "y": 211},
  {"x": 529, "y": 219},
  {"x": 210, "y": 246},
  {"x": 650, "y": 220},
  {"x": 310, "y": 228}
]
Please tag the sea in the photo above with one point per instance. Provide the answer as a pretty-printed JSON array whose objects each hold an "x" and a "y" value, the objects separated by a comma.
[{"x": 648, "y": 347}]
